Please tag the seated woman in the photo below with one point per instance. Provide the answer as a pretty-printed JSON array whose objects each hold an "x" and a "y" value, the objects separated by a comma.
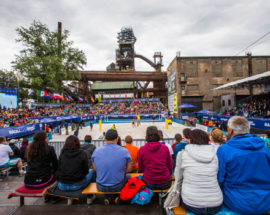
[
  {"x": 216, "y": 138},
  {"x": 41, "y": 162},
  {"x": 73, "y": 172},
  {"x": 155, "y": 161},
  {"x": 197, "y": 166}
]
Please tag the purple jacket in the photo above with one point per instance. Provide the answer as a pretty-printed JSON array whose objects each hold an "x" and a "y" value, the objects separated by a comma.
[{"x": 155, "y": 161}]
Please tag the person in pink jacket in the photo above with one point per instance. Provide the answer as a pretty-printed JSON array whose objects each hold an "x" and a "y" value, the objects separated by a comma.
[{"x": 155, "y": 161}]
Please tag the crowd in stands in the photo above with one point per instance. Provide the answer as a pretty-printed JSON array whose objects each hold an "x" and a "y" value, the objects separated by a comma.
[
  {"x": 134, "y": 107},
  {"x": 210, "y": 171},
  {"x": 25, "y": 116},
  {"x": 259, "y": 108}
]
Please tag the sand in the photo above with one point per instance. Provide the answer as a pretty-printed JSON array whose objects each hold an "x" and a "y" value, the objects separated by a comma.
[{"x": 125, "y": 129}]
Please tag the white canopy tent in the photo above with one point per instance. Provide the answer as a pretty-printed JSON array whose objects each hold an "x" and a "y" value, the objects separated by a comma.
[{"x": 263, "y": 78}]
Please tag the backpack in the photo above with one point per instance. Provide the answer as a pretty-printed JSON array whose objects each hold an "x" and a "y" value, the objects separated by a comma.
[
  {"x": 132, "y": 186},
  {"x": 143, "y": 197}
]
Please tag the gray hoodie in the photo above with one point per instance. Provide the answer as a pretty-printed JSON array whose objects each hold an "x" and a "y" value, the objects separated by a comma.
[{"x": 200, "y": 187}]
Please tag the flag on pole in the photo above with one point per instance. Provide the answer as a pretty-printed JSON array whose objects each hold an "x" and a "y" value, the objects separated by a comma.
[
  {"x": 58, "y": 96},
  {"x": 30, "y": 92},
  {"x": 142, "y": 95},
  {"x": 71, "y": 99},
  {"x": 80, "y": 99},
  {"x": 40, "y": 93},
  {"x": 47, "y": 95},
  {"x": 92, "y": 99},
  {"x": 99, "y": 98}
]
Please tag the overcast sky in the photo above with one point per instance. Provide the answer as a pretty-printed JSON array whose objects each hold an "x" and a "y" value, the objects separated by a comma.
[{"x": 193, "y": 27}]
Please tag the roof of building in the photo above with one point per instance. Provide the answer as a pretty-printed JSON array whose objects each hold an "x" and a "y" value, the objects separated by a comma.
[
  {"x": 262, "y": 78},
  {"x": 100, "y": 85}
]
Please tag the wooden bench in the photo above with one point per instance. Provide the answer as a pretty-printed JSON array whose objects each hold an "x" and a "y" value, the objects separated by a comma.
[
  {"x": 179, "y": 211},
  {"x": 92, "y": 189}
]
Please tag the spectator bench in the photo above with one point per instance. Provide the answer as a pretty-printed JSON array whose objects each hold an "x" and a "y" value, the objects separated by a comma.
[{"x": 92, "y": 189}]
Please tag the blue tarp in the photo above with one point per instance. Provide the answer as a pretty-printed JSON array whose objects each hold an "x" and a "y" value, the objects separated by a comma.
[{"x": 186, "y": 106}]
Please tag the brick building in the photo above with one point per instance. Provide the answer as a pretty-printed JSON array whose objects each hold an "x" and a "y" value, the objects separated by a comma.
[{"x": 191, "y": 79}]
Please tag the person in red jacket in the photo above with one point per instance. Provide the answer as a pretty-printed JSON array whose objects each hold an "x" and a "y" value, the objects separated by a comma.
[{"x": 155, "y": 161}]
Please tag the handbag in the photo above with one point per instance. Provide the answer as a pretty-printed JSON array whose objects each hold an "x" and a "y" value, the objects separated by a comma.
[{"x": 173, "y": 195}]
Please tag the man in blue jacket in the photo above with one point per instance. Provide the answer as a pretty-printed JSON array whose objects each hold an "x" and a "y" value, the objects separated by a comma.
[{"x": 244, "y": 170}]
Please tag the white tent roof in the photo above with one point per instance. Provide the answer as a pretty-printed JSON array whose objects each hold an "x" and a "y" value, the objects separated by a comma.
[{"x": 255, "y": 79}]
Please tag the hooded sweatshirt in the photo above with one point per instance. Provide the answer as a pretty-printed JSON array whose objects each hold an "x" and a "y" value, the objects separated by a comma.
[
  {"x": 244, "y": 174},
  {"x": 155, "y": 161},
  {"x": 200, "y": 187},
  {"x": 73, "y": 166}
]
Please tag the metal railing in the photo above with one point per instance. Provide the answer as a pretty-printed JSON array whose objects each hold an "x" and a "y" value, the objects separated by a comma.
[{"x": 98, "y": 143}]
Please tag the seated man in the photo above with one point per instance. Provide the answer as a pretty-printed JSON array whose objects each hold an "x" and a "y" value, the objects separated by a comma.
[
  {"x": 133, "y": 151},
  {"x": 111, "y": 163},
  {"x": 244, "y": 170},
  {"x": 5, "y": 152}
]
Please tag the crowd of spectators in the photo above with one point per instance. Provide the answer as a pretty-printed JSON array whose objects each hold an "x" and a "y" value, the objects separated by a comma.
[
  {"x": 25, "y": 116},
  {"x": 134, "y": 107},
  {"x": 258, "y": 108}
]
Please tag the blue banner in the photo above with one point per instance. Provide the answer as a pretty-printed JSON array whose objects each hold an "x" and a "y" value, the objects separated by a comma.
[
  {"x": 256, "y": 123},
  {"x": 15, "y": 132}
]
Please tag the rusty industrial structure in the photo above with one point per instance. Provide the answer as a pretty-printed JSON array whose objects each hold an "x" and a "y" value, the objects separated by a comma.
[{"x": 124, "y": 70}]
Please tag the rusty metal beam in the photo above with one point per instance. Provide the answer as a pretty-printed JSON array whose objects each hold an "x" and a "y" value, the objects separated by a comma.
[{"x": 134, "y": 76}]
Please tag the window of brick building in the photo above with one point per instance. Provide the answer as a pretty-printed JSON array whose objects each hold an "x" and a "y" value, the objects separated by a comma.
[
  {"x": 192, "y": 87},
  {"x": 191, "y": 68},
  {"x": 260, "y": 66},
  {"x": 237, "y": 70},
  {"x": 216, "y": 68}
]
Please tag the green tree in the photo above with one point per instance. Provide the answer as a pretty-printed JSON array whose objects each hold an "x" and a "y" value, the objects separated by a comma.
[
  {"x": 44, "y": 61},
  {"x": 10, "y": 79}
]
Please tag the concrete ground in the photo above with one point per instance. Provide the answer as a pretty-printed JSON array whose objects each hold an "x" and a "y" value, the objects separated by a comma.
[{"x": 35, "y": 206}]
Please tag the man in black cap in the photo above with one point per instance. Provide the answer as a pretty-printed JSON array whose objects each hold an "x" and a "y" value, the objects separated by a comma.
[{"x": 111, "y": 163}]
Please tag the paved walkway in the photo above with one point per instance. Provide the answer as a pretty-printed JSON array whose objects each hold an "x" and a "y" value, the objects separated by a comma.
[{"x": 37, "y": 206}]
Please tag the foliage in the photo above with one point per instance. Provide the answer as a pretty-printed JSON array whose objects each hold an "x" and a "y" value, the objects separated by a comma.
[
  {"x": 10, "y": 80},
  {"x": 47, "y": 59}
]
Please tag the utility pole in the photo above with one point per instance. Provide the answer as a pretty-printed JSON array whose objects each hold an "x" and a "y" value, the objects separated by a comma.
[
  {"x": 59, "y": 38},
  {"x": 250, "y": 74}
]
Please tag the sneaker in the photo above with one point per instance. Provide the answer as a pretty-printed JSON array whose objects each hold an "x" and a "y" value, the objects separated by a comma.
[
  {"x": 91, "y": 199},
  {"x": 117, "y": 200},
  {"x": 106, "y": 202},
  {"x": 22, "y": 172},
  {"x": 69, "y": 201}
]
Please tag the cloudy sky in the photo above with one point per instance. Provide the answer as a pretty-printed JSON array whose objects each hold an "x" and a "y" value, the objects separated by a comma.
[{"x": 193, "y": 27}]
